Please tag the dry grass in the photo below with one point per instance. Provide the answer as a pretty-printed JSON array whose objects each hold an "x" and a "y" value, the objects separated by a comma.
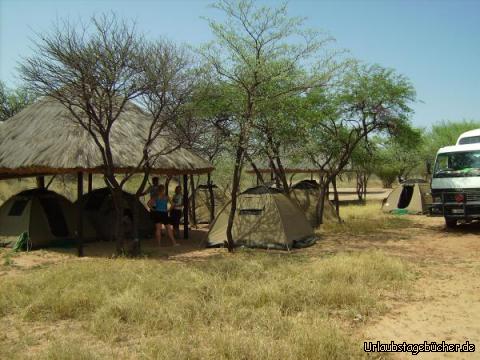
[
  {"x": 250, "y": 305},
  {"x": 365, "y": 219}
]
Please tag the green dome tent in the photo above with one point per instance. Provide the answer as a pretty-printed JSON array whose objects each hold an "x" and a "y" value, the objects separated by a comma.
[
  {"x": 47, "y": 217},
  {"x": 265, "y": 218},
  {"x": 99, "y": 210},
  {"x": 411, "y": 196},
  {"x": 203, "y": 204},
  {"x": 306, "y": 194}
]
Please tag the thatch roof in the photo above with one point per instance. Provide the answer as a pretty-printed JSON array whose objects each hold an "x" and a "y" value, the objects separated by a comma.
[{"x": 43, "y": 139}]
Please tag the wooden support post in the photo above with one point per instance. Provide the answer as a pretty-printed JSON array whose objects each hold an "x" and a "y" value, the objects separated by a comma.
[
  {"x": 136, "y": 238},
  {"x": 185, "y": 207},
  {"x": 80, "y": 213},
  {"x": 41, "y": 182},
  {"x": 167, "y": 183},
  {"x": 90, "y": 182}
]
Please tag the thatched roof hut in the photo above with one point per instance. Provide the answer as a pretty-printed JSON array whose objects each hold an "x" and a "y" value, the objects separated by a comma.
[{"x": 42, "y": 139}]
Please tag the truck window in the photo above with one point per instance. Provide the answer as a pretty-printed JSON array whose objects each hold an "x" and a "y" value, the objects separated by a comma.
[
  {"x": 469, "y": 140},
  {"x": 458, "y": 164}
]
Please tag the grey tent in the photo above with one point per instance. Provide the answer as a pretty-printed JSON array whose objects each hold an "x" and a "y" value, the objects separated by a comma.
[
  {"x": 411, "y": 196},
  {"x": 306, "y": 194},
  {"x": 203, "y": 203},
  {"x": 99, "y": 210},
  {"x": 48, "y": 217},
  {"x": 265, "y": 218}
]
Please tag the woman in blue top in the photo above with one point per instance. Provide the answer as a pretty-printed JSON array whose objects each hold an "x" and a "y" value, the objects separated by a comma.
[{"x": 159, "y": 212}]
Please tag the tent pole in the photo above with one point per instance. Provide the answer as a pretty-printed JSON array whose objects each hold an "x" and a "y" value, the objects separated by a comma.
[
  {"x": 185, "y": 207},
  {"x": 80, "y": 213},
  {"x": 90, "y": 181}
]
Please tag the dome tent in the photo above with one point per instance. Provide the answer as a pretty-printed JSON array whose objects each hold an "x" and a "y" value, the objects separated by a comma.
[
  {"x": 48, "y": 217},
  {"x": 306, "y": 194},
  {"x": 203, "y": 203},
  {"x": 411, "y": 196},
  {"x": 265, "y": 218},
  {"x": 99, "y": 209}
]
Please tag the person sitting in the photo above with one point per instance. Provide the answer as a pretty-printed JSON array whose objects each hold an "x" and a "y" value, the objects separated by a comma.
[
  {"x": 159, "y": 212},
  {"x": 176, "y": 210}
]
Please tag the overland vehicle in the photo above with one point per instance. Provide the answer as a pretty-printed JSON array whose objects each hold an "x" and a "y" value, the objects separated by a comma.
[
  {"x": 456, "y": 182},
  {"x": 469, "y": 137}
]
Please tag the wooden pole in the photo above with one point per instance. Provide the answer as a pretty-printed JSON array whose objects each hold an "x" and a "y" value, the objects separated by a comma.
[
  {"x": 136, "y": 238},
  {"x": 90, "y": 182},
  {"x": 211, "y": 197},
  {"x": 185, "y": 207},
  {"x": 80, "y": 213},
  {"x": 41, "y": 182}
]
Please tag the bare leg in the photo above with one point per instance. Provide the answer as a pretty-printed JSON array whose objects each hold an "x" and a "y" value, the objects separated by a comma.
[
  {"x": 170, "y": 234},
  {"x": 158, "y": 233}
]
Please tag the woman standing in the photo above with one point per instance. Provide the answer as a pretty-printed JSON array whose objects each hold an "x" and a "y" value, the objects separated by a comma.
[
  {"x": 159, "y": 211},
  {"x": 176, "y": 210}
]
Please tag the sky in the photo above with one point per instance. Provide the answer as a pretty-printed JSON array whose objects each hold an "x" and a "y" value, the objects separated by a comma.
[{"x": 435, "y": 43}]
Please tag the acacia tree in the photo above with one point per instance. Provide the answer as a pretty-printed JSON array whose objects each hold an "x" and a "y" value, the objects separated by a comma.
[
  {"x": 197, "y": 130},
  {"x": 364, "y": 162},
  {"x": 368, "y": 100},
  {"x": 399, "y": 157},
  {"x": 96, "y": 71},
  {"x": 13, "y": 101},
  {"x": 256, "y": 48}
]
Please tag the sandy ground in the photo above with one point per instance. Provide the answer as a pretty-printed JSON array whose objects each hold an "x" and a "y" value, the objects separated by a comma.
[{"x": 446, "y": 301}]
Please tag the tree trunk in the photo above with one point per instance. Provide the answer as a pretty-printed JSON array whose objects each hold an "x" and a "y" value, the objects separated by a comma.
[
  {"x": 282, "y": 175},
  {"x": 136, "y": 250},
  {"x": 335, "y": 197},
  {"x": 80, "y": 214},
  {"x": 260, "y": 178},
  {"x": 321, "y": 202},
  {"x": 359, "y": 185},
  {"x": 211, "y": 197},
  {"x": 237, "y": 171},
  {"x": 192, "y": 201},
  {"x": 275, "y": 173},
  {"x": 365, "y": 185},
  {"x": 117, "y": 198}
]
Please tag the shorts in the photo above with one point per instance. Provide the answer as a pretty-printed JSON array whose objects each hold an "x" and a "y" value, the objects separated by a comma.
[
  {"x": 160, "y": 217},
  {"x": 175, "y": 217}
]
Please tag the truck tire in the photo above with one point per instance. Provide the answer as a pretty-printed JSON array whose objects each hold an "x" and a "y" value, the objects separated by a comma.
[{"x": 450, "y": 223}]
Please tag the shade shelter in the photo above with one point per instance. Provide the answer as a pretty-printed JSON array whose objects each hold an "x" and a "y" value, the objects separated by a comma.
[
  {"x": 43, "y": 139},
  {"x": 411, "y": 196},
  {"x": 49, "y": 218},
  {"x": 265, "y": 218}
]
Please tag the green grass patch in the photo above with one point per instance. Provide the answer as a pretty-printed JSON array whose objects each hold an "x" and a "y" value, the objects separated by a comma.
[{"x": 365, "y": 219}]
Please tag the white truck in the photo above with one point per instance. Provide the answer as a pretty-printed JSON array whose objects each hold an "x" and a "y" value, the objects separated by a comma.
[{"x": 455, "y": 185}]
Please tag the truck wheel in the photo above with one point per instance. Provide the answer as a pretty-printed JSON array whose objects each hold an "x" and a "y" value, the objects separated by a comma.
[{"x": 450, "y": 223}]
